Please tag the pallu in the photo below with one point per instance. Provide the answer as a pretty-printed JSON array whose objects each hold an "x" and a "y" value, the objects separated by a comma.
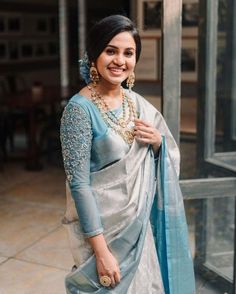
[{"x": 130, "y": 193}]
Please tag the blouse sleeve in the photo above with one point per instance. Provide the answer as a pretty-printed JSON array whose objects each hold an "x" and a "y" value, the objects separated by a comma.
[{"x": 76, "y": 140}]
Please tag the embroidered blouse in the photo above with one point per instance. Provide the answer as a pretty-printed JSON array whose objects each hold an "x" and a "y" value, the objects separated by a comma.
[{"x": 88, "y": 145}]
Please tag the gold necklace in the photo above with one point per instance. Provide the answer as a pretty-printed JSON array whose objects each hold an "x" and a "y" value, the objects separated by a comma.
[{"x": 119, "y": 125}]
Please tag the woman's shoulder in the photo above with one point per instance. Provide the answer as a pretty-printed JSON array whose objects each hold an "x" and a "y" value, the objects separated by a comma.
[{"x": 81, "y": 100}]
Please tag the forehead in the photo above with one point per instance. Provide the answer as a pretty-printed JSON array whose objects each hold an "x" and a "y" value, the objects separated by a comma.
[{"x": 123, "y": 40}]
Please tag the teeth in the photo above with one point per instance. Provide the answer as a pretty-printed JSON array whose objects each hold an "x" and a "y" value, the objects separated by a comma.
[{"x": 116, "y": 69}]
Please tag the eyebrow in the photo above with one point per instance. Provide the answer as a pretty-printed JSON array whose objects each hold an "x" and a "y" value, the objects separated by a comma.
[{"x": 129, "y": 48}]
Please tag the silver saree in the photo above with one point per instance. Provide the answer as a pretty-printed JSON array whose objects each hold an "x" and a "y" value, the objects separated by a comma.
[{"x": 130, "y": 193}]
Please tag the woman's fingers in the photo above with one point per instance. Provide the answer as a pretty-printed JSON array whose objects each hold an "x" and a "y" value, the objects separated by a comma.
[
  {"x": 117, "y": 276},
  {"x": 113, "y": 282},
  {"x": 139, "y": 121},
  {"x": 143, "y": 129},
  {"x": 108, "y": 270},
  {"x": 147, "y": 135}
]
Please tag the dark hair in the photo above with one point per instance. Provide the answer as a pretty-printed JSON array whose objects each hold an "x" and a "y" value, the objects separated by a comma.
[{"x": 105, "y": 30}]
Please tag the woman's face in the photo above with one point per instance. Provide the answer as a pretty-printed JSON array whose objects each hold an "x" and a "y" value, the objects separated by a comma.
[{"x": 118, "y": 59}]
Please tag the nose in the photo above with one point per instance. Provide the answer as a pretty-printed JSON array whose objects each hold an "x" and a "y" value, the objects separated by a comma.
[{"x": 119, "y": 60}]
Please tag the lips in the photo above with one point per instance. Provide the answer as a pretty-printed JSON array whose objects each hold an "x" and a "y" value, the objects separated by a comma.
[{"x": 116, "y": 70}]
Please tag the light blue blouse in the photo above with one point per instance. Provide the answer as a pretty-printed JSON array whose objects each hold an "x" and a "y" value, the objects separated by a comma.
[{"x": 87, "y": 145}]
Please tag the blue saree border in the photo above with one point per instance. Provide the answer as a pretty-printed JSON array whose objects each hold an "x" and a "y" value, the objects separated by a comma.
[{"x": 170, "y": 230}]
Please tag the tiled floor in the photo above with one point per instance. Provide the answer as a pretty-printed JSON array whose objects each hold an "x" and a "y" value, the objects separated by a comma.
[{"x": 34, "y": 254}]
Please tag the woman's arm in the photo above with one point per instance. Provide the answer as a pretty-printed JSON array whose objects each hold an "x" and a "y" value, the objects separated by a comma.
[
  {"x": 106, "y": 263},
  {"x": 76, "y": 140}
]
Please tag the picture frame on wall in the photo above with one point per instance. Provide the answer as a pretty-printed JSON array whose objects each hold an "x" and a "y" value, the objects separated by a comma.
[
  {"x": 28, "y": 37},
  {"x": 27, "y": 50},
  {"x": 3, "y": 51},
  {"x": 13, "y": 51},
  {"x": 10, "y": 24},
  {"x": 3, "y": 26},
  {"x": 190, "y": 15},
  {"x": 190, "y": 18},
  {"x": 42, "y": 25},
  {"x": 189, "y": 60},
  {"x": 148, "y": 66},
  {"x": 14, "y": 24},
  {"x": 40, "y": 50},
  {"x": 149, "y": 16},
  {"x": 53, "y": 49}
]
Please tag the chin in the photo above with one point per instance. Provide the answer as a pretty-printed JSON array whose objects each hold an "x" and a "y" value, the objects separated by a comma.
[{"x": 116, "y": 81}]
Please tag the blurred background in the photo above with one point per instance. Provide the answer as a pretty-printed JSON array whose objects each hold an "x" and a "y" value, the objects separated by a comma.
[{"x": 187, "y": 71}]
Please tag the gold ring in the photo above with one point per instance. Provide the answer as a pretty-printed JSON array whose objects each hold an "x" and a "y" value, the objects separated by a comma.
[{"x": 105, "y": 281}]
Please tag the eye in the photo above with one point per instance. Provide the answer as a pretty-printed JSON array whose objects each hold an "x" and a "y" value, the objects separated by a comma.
[
  {"x": 110, "y": 51},
  {"x": 129, "y": 53}
]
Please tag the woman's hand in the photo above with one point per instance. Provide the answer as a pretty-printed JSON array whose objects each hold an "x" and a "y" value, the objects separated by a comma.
[
  {"x": 107, "y": 264},
  {"x": 147, "y": 134}
]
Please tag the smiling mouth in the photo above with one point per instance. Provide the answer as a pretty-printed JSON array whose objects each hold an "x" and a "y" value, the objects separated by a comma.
[{"x": 116, "y": 70}]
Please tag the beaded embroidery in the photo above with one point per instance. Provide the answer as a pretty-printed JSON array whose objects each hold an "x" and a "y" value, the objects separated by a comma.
[{"x": 76, "y": 136}]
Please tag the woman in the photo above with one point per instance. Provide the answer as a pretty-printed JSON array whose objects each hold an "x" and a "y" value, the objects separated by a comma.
[{"x": 127, "y": 231}]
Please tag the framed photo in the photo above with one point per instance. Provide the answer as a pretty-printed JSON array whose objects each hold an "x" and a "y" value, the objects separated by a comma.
[
  {"x": 189, "y": 59},
  {"x": 42, "y": 25},
  {"x": 27, "y": 50},
  {"x": 148, "y": 66},
  {"x": 53, "y": 25},
  {"x": 14, "y": 24},
  {"x": 13, "y": 51},
  {"x": 3, "y": 51},
  {"x": 3, "y": 26},
  {"x": 149, "y": 16},
  {"x": 190, "y": 15},
  {"x": 53, "y": 49},
  {"x": 40, "y": 50},
  {"x": 190, "y": 18},
  {"x": 40, "y": 42}
]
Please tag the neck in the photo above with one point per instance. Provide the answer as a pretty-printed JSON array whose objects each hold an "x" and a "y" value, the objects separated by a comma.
[
  {"x": 112, "y": 95},
  {"x": 108, "y": 89}
]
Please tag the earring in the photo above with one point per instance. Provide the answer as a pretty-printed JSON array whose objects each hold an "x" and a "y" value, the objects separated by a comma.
[
  {"x": 93, "y": 73},
  {"x": 130, "y": 81}
]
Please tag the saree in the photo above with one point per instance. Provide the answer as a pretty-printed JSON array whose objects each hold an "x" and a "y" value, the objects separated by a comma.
[{"x": 130, "y": 193}]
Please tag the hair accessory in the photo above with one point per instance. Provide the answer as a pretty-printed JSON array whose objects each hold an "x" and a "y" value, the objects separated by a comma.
[
  {"x": 105, "y": 281},
  {"x": 84, "y": 68},
  {"x": 130, "y": 81},
  {"x": 94, "y": 77}
]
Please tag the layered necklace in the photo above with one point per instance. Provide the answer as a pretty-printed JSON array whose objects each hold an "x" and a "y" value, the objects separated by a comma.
[{"x": 119, "y": 124}]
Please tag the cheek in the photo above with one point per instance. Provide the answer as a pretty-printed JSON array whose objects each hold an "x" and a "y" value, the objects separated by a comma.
[
  {"x": 132, "y": 64},
  {"x": 103, "y": 63}
]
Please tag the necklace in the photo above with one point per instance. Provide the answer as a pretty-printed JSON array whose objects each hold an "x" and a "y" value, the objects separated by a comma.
[{"x": 118, "y": 124}]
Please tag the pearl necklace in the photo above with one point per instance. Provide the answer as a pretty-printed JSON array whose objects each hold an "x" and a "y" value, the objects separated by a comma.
[{"x": 119, "y": 125}]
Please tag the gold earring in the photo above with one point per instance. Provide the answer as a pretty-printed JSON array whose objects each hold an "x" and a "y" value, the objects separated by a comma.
[
  {"x": 130, "y": 81},
  {"x": 93, "y": 73}
]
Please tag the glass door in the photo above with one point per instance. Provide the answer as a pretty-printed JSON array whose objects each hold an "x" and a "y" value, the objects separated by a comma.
[{"x": 208, "y": 178}]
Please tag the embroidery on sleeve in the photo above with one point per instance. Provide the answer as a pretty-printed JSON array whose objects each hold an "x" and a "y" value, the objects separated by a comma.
[{"x": 76, "y": 136}]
